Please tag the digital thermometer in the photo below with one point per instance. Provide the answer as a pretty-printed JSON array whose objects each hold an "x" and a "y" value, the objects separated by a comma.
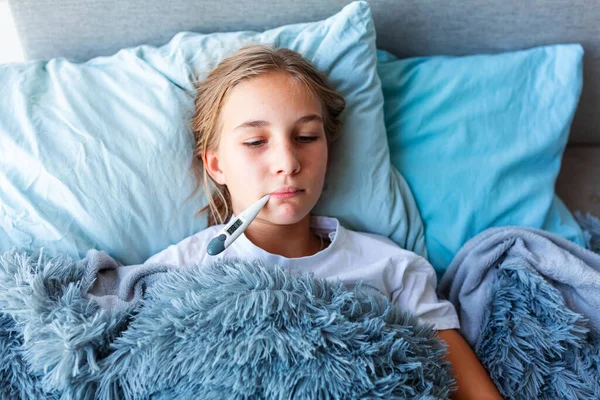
[{"x": 234, "y": 228}]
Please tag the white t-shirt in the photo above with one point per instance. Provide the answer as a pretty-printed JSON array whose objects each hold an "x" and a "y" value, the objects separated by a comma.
[{"x": 399, "y": 274}]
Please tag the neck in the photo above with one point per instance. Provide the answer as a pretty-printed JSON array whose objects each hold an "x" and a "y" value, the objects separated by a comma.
[{"x": 290, "y": 241}]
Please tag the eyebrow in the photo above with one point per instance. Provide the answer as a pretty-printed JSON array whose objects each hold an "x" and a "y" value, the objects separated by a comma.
[{"x": 261, "y": 124}]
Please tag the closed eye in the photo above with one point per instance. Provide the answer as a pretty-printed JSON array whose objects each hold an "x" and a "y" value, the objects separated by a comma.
[
  {"x": 254, "y": 143},
  {"x": 301, "y": 139},
  {"x": 306, "y": 139}
]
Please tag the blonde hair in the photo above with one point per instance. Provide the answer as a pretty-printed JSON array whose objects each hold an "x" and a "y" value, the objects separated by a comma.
[{"x": 211, "y": 94}]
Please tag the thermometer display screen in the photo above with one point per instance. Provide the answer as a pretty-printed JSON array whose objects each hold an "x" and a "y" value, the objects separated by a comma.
[{"x": 233, "y": 227}]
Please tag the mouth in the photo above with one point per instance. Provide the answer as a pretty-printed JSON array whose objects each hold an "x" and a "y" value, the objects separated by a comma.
[{"x": 286, "y": 192}]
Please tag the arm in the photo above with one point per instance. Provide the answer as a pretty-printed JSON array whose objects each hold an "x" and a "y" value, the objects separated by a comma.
[{"x": 472, "y": 378}]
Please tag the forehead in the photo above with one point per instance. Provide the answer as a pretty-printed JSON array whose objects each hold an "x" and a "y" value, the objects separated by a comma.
[{"x": 270, "y": 94}]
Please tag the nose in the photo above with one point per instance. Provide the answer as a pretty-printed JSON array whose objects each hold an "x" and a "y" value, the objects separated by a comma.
[{"x": 285, "y": 159}]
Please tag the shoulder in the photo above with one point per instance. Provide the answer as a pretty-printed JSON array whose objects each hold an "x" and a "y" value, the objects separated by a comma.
[{"x": 189, "y": 250}]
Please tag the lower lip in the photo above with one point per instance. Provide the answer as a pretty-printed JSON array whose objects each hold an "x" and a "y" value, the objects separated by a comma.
[{"x": 285, "y": 195}]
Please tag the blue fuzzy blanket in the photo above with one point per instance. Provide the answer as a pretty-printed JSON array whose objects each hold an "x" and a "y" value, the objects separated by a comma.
[
  {"x": 224, "y": 330},
  {"x": 529, "y": 305},
  {"x": 247, "y": 330}
]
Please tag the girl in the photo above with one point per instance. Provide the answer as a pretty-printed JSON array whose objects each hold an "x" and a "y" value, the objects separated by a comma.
[{"x": 263, "y": 124}]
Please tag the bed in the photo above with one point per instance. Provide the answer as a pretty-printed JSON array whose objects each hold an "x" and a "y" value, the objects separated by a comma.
[{"x": 484, "y": 116}]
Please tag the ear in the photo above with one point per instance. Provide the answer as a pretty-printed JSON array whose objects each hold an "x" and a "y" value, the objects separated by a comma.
[{"x": 211, "y": 164}]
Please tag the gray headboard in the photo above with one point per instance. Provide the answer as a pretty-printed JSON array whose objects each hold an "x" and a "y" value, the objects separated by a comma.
[{"x": 82, "y": 29}]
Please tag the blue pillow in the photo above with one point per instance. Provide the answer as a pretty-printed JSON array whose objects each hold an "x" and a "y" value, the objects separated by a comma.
[
  {"x": 480, "y": 140},
  {"x": 98, "y": 154}
]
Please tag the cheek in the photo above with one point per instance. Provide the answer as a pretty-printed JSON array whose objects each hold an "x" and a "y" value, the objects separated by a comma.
[
  {"x": 319, "y": 160},
  {"x": 244, "y": 167}
]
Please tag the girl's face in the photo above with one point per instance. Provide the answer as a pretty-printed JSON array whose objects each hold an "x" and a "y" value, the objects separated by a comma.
[{"x": 272, "y": 142}]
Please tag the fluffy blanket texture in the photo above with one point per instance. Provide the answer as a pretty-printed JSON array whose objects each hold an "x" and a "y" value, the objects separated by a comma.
[
  {"x": 533, "y": 346},
  {"x": 528, "y": 303},
  {"x": 226, "y": 330},
  {"x": 246, "y": 330}
]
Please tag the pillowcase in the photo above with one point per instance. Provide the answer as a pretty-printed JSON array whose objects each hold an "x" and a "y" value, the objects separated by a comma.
[
  {"x": 480, "y": 140},
  {"x": 98, "y": 154}
]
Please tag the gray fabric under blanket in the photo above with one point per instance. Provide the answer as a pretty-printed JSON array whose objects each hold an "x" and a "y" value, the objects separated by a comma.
[{"x": 114, "y": 286}]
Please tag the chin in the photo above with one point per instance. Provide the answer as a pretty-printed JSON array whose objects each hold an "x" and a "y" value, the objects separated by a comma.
[{"x": 287, "y": 215}]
